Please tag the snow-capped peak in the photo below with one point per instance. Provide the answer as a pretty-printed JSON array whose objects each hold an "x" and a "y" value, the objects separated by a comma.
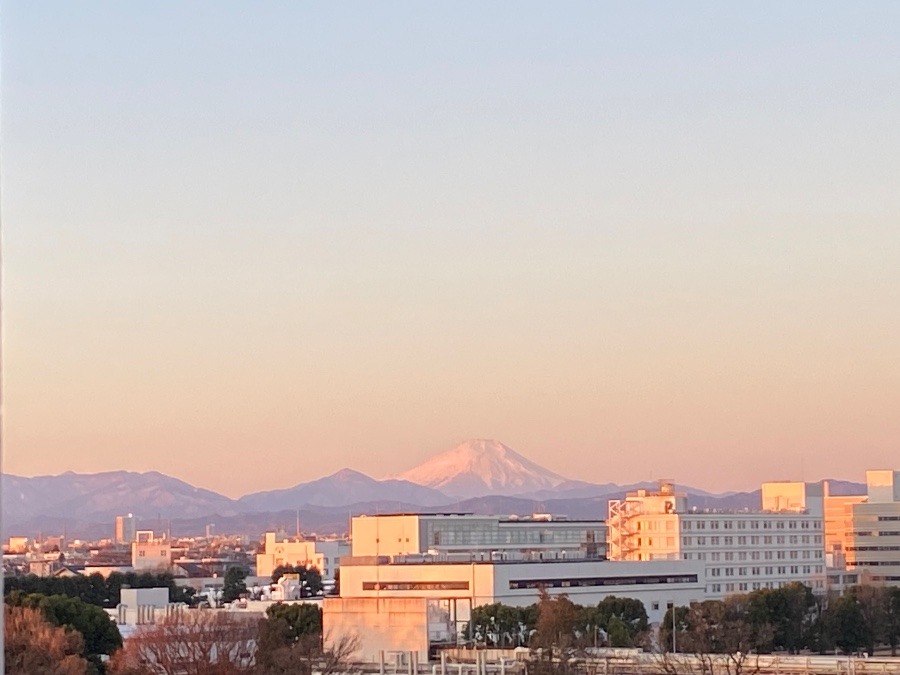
[{"x": 481, "y": 467}]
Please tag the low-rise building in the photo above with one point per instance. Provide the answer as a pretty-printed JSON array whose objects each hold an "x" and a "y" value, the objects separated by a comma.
[
  {"x": 149, "y": 553},
  {"x": 406, "y": 604},
  {"x": 323, "y": 554}
]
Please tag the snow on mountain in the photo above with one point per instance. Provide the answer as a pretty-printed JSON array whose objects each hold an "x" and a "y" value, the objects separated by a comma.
[
  {"x": 343, "y": 488},
  {"x": 482, "y": 467}
]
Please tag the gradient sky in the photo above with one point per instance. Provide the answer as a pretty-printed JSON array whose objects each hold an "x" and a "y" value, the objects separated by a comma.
[{"x": 248, "y": 245}]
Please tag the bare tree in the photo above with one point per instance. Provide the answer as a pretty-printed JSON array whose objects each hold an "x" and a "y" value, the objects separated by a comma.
[
  {"x": 718, "y": 639},
  {"x": 200, "y": 642},
  {"x": 35, "y": 646},
  {"x": 305, "y": 654}
]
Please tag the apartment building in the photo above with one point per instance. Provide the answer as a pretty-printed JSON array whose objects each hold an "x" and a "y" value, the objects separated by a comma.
[
  {"x": 464, "y": 536},
  {"x": 150, "y": 553},
  {"x": 740, "y": 551},
  {"x": 874, "y": 552}
]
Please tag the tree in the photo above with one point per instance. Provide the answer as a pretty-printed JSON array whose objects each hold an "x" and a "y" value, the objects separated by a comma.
[
  {"x": 846, "y": 624},
  {"x": 501, "y": 625},
  {"x": 892, "y": 618},
  {"x": 32, "y": 645},
  {"x": 556, "y": 622},
  {"x": 789, "y": 610},
  {"x": 234, "y": 586},
  {"x": 300, "y": 619},
  {"x": 680, "y": 623},
  {"x": 623, "y": 620},
  {"x": 873, "y": 606},
  {"x": 310, "y": 578},
  {"x": 99, "y": 634},
  {"x": 200, "y": 642},
  {"x": 310, "y": 653},
  {"x": 719, "y": 636}
]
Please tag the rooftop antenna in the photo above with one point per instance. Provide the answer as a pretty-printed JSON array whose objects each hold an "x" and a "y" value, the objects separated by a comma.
[{"x": 298, "y": 524}]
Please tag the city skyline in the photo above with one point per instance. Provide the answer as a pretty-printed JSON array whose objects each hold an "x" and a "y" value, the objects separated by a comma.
[{"x": 629, "y": 242}]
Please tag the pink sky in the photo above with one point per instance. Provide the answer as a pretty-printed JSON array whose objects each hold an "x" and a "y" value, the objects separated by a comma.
[{"x": 627, "y": 244}]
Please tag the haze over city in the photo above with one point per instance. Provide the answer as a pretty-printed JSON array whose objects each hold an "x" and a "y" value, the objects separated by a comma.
[{"x": 248, "y": 248}]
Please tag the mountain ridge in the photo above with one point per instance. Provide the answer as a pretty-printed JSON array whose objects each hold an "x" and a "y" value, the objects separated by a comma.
[{"x": 477, "y": 474}]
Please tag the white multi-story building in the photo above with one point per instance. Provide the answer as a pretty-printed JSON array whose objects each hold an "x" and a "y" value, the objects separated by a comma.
[
  {"x": 657, "y": 584},
  {"x": 874, "y": 548},
  {"x": 740, "y": 551}
]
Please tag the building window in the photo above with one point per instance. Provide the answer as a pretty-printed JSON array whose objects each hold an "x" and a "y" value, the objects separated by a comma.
[{"x": 416, "y": 586}]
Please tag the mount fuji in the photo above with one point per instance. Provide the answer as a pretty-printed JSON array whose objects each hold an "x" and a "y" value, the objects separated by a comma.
[{"x": 484, "y": 467}]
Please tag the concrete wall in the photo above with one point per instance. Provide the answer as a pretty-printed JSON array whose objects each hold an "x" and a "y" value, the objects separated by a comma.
[
  {"x": 154, "y": 597},
  {"x": 385, "y": 535},
  {"x": 883, "y": 486},
  {"x": 379, "y": 624}
]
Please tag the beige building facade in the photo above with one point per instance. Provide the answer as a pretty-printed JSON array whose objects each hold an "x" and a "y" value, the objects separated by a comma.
[
  {"x": 323, "y": 554},
  {"x": 149, "y": 553},
  {"x": 740, "y": 551},
  {"x": 874, "y": 553}
]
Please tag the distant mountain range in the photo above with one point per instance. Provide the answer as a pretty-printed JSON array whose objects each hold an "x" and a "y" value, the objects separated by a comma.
[{"x": 479, "y": 476}]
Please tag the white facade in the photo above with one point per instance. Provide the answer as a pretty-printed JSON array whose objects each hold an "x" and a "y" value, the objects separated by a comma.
[
  {"x": 740, "y": 552},
  {"x": 517, "y": 583}
]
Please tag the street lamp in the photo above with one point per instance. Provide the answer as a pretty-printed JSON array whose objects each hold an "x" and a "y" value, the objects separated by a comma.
[{"x": 672, "y": 609}]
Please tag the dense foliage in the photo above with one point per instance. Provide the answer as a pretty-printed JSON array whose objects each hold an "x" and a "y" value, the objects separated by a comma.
[
  {"x": 95, "y": 589},
  {"x": 557, "y": 621},
  {"x": 234, "y": 586},
  {"x": 99, "y": 634},
  {"x": 310, "y": 578},
  {"x": 790, "y": 618}
]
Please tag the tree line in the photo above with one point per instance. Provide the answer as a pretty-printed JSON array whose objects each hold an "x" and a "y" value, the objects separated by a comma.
[
  {"x": 559, "y": 622},
  {"x": 95, "y": 589},
  {"x": 791, "y": 618}
]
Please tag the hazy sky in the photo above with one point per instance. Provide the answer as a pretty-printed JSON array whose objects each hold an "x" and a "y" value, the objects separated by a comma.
[{"x": 250, "y": 244}]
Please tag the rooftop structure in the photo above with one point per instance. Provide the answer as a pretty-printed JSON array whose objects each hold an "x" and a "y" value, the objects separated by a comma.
[{"x": 468, "y": 536}]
